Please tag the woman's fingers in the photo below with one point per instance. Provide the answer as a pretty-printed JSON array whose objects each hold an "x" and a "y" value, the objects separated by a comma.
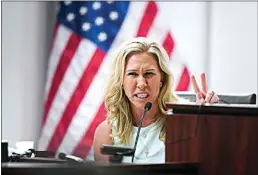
[
  {"x": 199, "y": 98},
  {"x": 203, "y": 96},
  {"x": 195, "y": 85},
  {"x": 200, "y": 101},
  {"x": 198, "y": 92},
  {"x": 204, "y": 83},
  {"x": 211, "y": 97}
]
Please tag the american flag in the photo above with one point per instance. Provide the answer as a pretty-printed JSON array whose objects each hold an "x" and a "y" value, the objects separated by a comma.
[{"x": 85, "y": 36}]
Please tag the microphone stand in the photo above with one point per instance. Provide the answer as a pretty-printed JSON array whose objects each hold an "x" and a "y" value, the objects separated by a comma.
[
  {"x": 118, "y": 157},
  {"x": 138, "y": 132}
]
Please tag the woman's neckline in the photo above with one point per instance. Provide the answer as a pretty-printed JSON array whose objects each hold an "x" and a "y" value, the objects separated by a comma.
[{"x": 148, "y": 126}]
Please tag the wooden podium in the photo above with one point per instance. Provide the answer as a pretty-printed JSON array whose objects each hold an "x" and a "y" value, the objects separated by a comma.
[
  {"x": 223, "y": 139},
  {"x": 92, "y": 168}
]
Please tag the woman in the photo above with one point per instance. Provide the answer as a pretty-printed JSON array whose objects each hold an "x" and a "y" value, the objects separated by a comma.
[{"x": 140, "y": 74}]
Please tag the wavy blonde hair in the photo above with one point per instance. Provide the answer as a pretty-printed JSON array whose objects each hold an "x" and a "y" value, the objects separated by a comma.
[{"x": 117, "y": 103}]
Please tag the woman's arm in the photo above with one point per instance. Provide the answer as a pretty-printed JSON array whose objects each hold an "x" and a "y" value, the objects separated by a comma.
[{"x": 102, "y": 136}]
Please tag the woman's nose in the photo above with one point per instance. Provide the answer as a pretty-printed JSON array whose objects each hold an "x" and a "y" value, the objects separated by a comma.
[{"x": 141, "y": 82}]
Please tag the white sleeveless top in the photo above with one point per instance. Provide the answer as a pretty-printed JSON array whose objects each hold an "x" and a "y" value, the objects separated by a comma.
[{"x": 150, "y": 149}]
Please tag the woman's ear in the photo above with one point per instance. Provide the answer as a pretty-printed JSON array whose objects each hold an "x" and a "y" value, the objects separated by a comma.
[{"x": 161, "y": 83}]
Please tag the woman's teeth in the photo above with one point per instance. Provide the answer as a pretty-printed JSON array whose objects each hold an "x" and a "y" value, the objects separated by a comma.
[{"x": 141, "y": 95}]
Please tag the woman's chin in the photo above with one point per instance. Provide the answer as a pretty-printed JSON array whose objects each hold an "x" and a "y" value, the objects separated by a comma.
[{"x": 140, "y": 103}]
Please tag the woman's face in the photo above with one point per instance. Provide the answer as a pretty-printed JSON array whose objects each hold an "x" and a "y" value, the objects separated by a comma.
[{"x": 142, "y": 80}]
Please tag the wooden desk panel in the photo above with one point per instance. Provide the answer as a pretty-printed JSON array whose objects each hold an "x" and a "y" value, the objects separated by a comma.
[{"x": 225, "y": 143}]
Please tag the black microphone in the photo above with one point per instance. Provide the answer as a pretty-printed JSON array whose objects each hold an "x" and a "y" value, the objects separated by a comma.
[
  {"x": 70, "y": 158},
  {"x": 147, "y": 107}
]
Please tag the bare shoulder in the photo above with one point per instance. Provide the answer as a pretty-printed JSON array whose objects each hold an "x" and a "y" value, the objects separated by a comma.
[
  {"x": 103, "y": 133},
  {"x": 102, "y": 136},
  {"x": 103, "y": 128}
]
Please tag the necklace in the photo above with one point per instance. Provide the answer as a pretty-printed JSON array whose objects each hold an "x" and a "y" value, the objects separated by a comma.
[
  {"x": 155, "y": 127},
  {"x": 144, "y": 135},
  {"x": 146, "y": 149}
]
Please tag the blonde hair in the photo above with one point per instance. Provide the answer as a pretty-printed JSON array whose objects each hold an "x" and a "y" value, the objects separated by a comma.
[{"x": 117, "y": 103}]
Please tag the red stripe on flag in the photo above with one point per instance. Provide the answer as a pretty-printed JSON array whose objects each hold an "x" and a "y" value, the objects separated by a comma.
[
  {"x": 61, "y": 68},
  {"x": 148, "y": 18},
  {"x": 184, "y": 81},
  {"x": 75, "y": 100},
  {"x": 168, "y": 44},
  {"x": 85, "y": 144}
]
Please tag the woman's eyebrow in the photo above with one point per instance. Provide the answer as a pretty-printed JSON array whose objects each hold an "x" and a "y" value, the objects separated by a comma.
[
  {"x": 129, "y": 70},
  {"x": 150, "y": 69}
]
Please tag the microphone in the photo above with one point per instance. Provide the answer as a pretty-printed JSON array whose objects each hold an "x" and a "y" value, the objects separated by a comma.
[
  {"x": 147, "y": 107},
  {"x": 70, "y": 158}
]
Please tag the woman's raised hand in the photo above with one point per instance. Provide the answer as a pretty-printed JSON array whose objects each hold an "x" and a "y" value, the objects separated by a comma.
[{"x": 203, "y": 95}]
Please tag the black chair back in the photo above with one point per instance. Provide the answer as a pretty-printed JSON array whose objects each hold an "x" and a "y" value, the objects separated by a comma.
[{"x": 224, "y": 98}]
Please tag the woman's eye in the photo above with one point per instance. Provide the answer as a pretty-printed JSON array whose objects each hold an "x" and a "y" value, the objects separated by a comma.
[
  {"x": 149, "y": 73},
  {"x": 132, "y": 73}
]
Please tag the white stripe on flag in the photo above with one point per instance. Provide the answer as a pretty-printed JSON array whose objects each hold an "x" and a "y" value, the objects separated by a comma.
[
  {"x": 159, "y": 29},
  {"x": 62, "y": 36},
  {"x": 71, "y": 78},
  {"x": 95, "y": 95},
  {"x": 176, "y": 66},
  {"x": 90, "y": 156}
]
